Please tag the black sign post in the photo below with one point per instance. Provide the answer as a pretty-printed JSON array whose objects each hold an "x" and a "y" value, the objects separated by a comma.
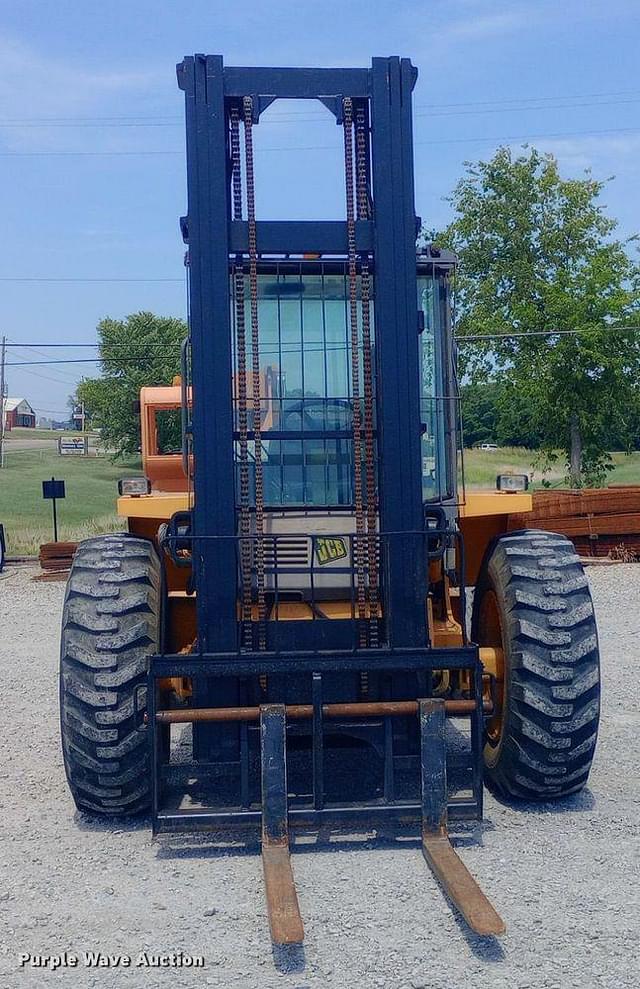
[{"x": 53, "y": 490}]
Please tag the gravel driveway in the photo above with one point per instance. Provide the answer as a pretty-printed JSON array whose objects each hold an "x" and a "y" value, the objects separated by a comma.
[{"x": 565, "y": 878}]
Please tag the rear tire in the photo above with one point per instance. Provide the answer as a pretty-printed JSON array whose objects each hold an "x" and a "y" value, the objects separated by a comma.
[
  {"x": 533, "y": 595},
  {"x": 110, "y": 628}
]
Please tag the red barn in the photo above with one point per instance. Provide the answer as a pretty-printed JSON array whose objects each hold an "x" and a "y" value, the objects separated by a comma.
[{"x": 18, "y": 412}]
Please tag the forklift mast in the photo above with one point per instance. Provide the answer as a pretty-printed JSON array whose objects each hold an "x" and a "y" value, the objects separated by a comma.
[
  {"x": 226, "y": 245},
  {"x": 272, "y": 673}
]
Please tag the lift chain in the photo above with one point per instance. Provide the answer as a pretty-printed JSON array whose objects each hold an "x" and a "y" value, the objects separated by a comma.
[
  {"x": 363, "y": 210},
  {"x": 247, "y": 104},
  {"x": 241, "y": 393},
  {"x": 347, "y": 107}
]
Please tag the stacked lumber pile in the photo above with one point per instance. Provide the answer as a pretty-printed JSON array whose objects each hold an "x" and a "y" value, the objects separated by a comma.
[
  {"x": 55, "y": 560},
  {"x": 600, "y": 521}
]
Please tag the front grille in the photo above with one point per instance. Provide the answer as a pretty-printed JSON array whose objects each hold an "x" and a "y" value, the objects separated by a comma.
[{"x": 288, "y": 552}]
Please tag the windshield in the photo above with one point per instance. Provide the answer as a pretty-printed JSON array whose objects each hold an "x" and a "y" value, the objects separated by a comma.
[{"x": 306, "y": 385}]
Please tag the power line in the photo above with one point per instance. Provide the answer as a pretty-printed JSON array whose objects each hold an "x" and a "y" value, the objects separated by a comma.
[
  {"x": 96, "y": 119},
  {"x": 71, "y": 124},
  {"x": 67, "y": 380},
  {"x": 10, "y": 278},
  {"x": 517, "y": 106},
  {"x": 86, "y": 154},
  {"x": 533, "y": 137},
  {"x": 64, "y": 377},
  {"x": 55, "y": 120},
  {"x": 34, "y": 346},
  {"x": 90, "y": 360},
  {"x": 433, "y": 111},
  {"x": 162, "y": 119},
  {"x": 505, "y": 139},
  {"x": 460, "y": 338},
  {"x": 38, "y": 374},
  {"x": 528, "y": 99},
  {"x": 522, "y": 109},
  {"x": 474, "y": 338}
]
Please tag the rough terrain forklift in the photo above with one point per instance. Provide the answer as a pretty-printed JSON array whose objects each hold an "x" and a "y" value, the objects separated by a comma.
[{"x": 281, "y": 638}]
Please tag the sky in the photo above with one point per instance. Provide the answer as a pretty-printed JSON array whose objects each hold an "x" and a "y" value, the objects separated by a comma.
[{"x": 92, "y": 148}]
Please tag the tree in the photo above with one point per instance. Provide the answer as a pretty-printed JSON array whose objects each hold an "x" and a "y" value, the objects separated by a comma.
[
  {"x": 142, "y": 349},
  {"x": 479, "y": 412},
  {"x": 537, "y": 256},
  {"x": 494, "y": 412},
  {"x": 518, "y": 424}
]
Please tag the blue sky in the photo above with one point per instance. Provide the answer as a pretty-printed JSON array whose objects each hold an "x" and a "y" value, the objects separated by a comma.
[{"x": 561, "y": 74}]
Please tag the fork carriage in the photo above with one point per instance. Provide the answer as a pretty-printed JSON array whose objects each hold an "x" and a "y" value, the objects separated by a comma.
[{"x": 258, "y": 737}]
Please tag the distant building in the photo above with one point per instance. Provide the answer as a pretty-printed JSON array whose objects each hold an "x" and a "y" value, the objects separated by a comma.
[{"x": 18, "y": 412}]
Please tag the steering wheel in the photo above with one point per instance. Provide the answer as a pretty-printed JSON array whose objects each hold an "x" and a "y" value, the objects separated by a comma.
[{"x": 310, "y": 422}]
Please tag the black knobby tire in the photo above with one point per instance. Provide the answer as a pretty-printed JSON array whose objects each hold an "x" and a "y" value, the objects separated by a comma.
[
  {"x": 545, "y": 742},
  {"x": 110, "y": 628}
]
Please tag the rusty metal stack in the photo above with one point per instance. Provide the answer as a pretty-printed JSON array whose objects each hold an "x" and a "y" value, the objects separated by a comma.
[
  {"x": 55, "y": 560},
  {"x": 601, "y": 522}
]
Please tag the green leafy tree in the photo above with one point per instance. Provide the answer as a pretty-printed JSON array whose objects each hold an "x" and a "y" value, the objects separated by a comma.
[
  {"x": 519, "y": 423},
  {"x": 495, "y": 412},
  {"x": 142, "y": 349},
  {"x": 537, "y": 255},
  {"x": 479, "y": 412}
]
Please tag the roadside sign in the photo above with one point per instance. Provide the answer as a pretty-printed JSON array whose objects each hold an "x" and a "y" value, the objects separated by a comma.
[
  {"x": 73, "y": 446},
  {"x": 53, "y": 490}
]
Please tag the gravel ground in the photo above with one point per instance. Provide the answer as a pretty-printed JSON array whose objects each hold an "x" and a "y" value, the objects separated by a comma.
[{"x": 564, "y": 877}]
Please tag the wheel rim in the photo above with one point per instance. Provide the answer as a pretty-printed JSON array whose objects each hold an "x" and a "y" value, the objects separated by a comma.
[{"x": 490, "y": 634}]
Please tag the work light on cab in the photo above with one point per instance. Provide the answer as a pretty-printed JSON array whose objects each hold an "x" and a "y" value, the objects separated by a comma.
[
  {"x": 512, "y": 482},
  {"x": 134, "y": 486}
]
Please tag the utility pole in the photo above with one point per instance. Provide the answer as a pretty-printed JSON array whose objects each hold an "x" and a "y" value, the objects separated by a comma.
[
  {"x": 3, "y": 353},
  {"x": 85, "y": 438}
]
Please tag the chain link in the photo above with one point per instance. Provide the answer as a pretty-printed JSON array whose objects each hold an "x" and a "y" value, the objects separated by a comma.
[
  {"x": 362, "y": 189},
  {"x": 366, "y": 540},
  {"x": 347, "y": 108},
  {"x": 247, "y": 105},
  {"x": 241, "y": 396}
]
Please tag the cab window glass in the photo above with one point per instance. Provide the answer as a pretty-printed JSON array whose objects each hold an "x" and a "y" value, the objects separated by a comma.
[{"x": 168, "y": 431}]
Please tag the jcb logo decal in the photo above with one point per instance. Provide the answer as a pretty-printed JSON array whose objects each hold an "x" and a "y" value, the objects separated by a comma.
[{"x": 329, "y": 550}]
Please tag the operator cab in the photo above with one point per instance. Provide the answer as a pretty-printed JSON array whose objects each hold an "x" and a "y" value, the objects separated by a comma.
[{"x": 306, "y": 446}]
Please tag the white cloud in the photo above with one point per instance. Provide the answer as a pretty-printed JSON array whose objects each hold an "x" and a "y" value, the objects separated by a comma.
[
  {"x": 482, "y": 26},
  {"x": 35, "y": 85},
  {"x": 604, "y": 154},
  {"x": 443, "y": 34}
]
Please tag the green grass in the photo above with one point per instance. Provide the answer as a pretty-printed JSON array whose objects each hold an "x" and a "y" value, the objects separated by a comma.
[
  {"x": 481, "y": 467},
  {"x": 88, "y": 508},
  {"x": 91, "y": 489}
]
